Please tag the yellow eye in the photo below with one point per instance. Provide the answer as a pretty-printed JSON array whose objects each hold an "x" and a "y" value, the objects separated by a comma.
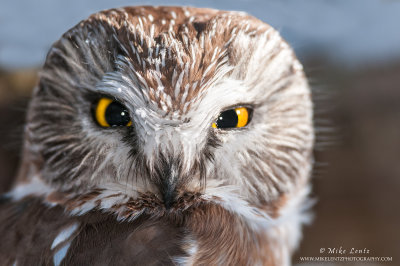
[
  {"x": 233, "y": 118},
  {"x": 109, "y": 113}
]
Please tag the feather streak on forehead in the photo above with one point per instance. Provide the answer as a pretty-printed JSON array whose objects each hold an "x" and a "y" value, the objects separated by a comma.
[{"x": 177, "y": 56}]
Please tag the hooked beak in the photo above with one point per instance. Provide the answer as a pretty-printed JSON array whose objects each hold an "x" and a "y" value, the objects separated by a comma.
[{"x": 169, "y": 182}]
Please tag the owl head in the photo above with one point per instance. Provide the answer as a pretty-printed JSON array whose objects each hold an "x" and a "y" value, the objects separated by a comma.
[{"x": 168, "y": 102}]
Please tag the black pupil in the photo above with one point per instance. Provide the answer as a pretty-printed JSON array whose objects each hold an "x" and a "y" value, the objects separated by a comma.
[
  {"x": 117, "y": 115},
  {"x": 227, "y": 119}
]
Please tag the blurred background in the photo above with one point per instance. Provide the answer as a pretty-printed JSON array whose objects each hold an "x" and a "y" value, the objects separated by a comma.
[{"x": 351, "y": 54}]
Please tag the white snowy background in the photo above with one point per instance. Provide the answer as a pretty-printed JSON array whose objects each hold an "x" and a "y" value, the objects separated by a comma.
[{"x": 346, "y": 32}]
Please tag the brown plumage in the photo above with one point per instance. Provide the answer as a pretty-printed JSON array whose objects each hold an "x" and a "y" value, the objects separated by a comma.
[{"x": 172, "y": 186}]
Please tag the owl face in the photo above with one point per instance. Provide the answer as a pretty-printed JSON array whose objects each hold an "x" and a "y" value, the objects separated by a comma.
[{"x": 169, "y": 101}]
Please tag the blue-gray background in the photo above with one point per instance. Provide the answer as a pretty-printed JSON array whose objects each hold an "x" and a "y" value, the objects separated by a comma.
[{"x": 350, "y": 32}]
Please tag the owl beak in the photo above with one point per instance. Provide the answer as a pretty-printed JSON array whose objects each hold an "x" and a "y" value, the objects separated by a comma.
[
  {"x": 169, "y": 185},
  {"x": 169, "y": 193}
]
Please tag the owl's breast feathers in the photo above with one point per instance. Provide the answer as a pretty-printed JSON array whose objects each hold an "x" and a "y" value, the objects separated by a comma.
[
  {"x": 34, "y": 234},
  {"x": 41, "y": 226}
]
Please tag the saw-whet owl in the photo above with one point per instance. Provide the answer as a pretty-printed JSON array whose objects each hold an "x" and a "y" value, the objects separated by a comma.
[{"x": 163, "y": 135}]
